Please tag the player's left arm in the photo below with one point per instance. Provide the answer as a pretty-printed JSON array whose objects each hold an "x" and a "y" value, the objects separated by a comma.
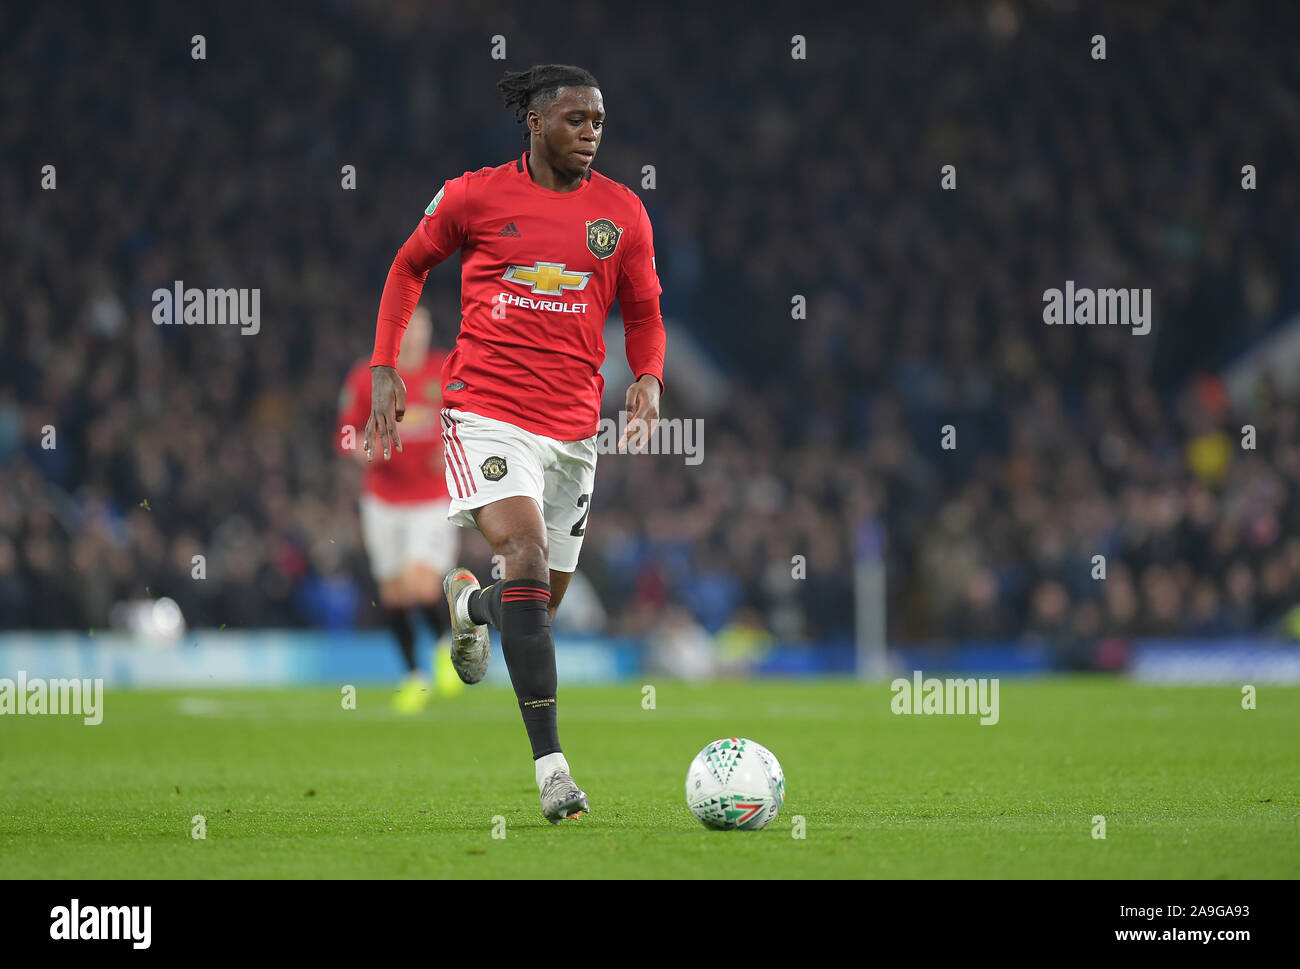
[{"x": 643, "y": 327}]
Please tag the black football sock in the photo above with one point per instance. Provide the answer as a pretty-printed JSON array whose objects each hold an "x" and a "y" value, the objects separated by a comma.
[
  {"x": 485, "y": 605},
  {"x": 437, "y": 618},
  {"x": 399, "y": 621},
  {"x": 530, "y": 656}
]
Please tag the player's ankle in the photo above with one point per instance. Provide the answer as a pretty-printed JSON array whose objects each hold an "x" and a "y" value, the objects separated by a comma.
[{"x": 549, "y": 764}]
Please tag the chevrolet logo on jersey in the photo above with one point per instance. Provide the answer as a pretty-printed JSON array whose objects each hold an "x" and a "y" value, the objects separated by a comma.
[{"x": 549, "y": 278}]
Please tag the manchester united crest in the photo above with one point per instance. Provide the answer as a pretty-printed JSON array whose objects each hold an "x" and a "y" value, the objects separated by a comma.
[
  {"x": 494, "y": 469},
  {"x": 602, "y": 238}
]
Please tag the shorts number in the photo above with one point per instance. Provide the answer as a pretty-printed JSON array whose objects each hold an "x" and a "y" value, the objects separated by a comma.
[{"x": 580, "y": 528}]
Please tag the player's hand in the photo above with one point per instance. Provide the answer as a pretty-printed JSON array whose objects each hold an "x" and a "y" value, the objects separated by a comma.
[
  {"x": 642, "y": 410},
  {"x": 387, "y": 407}
]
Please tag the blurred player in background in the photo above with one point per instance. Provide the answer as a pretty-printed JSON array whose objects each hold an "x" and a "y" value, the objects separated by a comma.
[
  {"x": 547, "y": 245},
  {"x": 404, "y": 502}
]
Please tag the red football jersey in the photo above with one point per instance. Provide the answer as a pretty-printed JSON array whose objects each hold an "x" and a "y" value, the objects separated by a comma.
[
  {"x": 540, "y": 271},
  {"x": 416, "y": 473}
]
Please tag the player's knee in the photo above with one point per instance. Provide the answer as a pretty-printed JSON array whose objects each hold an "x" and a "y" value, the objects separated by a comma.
[
  {"x": 424, "y": 584},
  {"x": 525, "y": 558},
  {"x": 394, "y": 594}
]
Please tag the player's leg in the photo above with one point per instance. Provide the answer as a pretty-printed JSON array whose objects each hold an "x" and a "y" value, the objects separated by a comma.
[
  {"x": 424, "y": 587},
  {"x": 382, "y": 531},
  {"x": 425, "y": 584},
  {"x": 569, "y": 477},
  {"x": 395, "y": 596},
  {"x": 566, "y": 503},
  {"x": 431, "y": 542},
  {"x": 515, "y": 530},
  {"x": 433, "y": 545},
  {"x": 566, "y": 496},
  {"x": 488, "y": 462},
  {"x": 500, "y": 478},
  {"x": 485, "y": 605},
  {"x": 396, "y": 603},
  {"x": 518, "y": 605},
  {"x": 559, "y": 585},
  {"x": 485, "y": 462}
]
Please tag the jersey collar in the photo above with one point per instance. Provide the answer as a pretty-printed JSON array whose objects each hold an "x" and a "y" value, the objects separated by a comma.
[{"x": 521, "y": 165}]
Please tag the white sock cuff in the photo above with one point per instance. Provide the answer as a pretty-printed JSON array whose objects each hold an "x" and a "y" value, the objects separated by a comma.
[
  {"x": 462, "y": 600},
  {"x": 549, "y": 764}
]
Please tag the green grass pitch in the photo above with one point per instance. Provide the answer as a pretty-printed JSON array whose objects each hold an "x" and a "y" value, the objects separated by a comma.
[{"x": 293, "y": 786}]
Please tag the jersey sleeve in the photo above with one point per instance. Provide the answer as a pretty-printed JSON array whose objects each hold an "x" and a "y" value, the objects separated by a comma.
[
  {"x": 638, "y": 279},
  {"x": 643, "y": 328},
  {"x": 445, "y": 220},
  {"x": 440, "y": 233}
]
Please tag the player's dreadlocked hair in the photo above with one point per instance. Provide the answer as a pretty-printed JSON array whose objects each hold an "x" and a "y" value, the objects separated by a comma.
[{"x": 534, "y": 89}]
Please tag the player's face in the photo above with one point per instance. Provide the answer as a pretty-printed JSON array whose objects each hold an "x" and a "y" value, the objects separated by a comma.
[{"x": 572, "y": 129}]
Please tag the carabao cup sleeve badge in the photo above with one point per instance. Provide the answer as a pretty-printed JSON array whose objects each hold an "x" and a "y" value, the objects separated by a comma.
[{"x": 602, "y": 238}]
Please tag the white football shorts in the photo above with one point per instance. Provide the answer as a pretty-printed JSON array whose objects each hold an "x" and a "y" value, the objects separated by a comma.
[
  {"x": 488, "y": 460},
  {"x": 398, "y": 534}
]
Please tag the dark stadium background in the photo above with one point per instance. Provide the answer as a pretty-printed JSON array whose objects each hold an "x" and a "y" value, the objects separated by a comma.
[{"x": 776, "y": 177}]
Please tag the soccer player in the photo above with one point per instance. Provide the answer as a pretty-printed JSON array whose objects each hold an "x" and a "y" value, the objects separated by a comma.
[
  {"x": 404, "y": 502},
  {"x": 547, "y": 245}
]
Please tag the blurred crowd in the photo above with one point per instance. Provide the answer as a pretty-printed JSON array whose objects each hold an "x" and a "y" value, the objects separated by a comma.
[{"x": 133, "y": 456}]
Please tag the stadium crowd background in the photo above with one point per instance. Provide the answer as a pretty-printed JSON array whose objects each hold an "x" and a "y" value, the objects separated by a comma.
[{"x": 776, "y": 177}]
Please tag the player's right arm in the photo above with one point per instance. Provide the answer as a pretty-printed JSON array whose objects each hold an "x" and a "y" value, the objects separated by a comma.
[{"x": 440, "y": 233}]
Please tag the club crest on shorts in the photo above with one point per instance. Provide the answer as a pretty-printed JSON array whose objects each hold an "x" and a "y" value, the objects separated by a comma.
[
  {"x": 602, "y": 238},
  {"x": 494, "y": 469}
]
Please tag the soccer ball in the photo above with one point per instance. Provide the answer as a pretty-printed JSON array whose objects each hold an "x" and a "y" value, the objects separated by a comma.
[{"x": 735, "y": 785}]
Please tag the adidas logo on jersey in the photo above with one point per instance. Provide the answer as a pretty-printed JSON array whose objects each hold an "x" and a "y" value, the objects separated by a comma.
[{"x": 510, "y": 230}]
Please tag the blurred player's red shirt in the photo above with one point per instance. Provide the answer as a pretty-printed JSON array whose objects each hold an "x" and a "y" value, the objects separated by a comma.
[
  {"x": 539, "y": 273},
  {"x": 416, "y": 473}
]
